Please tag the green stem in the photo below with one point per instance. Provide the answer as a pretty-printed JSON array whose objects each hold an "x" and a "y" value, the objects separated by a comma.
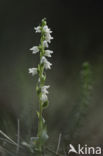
[{"x": 41, "y": 83}]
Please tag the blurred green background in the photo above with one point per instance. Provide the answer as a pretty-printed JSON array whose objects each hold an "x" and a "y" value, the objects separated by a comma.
[{"x": 78, "y": 37}]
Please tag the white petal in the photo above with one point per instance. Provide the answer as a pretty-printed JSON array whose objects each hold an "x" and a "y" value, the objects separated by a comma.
[
  {"x": 48, "y": 53},
  {"x": 44, "y": 98},
  {"x": 48, "y": 38},
  {"x": 44, "y": 89},
  {"x": 43, "y": 59},
  {"x": 38, "y": 29},
  {"x": 47, "y": 64},
  {"x": 45, "y": 44},
  {"x": 34, "y": 49},
  {"x": 33, "y": 71},
  {"x": 46, "y": 29}
]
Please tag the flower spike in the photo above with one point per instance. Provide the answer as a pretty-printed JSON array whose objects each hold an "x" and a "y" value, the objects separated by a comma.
[{"x": 41, "y": 88}]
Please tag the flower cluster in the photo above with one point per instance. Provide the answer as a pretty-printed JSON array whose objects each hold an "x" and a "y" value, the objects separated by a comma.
[
  {"x": 44, "y": 54},
  {"x": 41, "y": 88}
]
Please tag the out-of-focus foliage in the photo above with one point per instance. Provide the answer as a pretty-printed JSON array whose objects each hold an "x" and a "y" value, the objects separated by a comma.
[{"x": 76, "y": 119}]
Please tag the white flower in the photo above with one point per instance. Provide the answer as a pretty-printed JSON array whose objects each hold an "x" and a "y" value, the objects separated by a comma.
[
  {"x": 48, "y": 38},
  {"x": 38, "y": 29},
  {"x": 35, "y": 49},
  {"x": 48, "y": 53},
  {"x": 46, "y": 29},
  {"x": 48, "y": 32},
  {"x": 44, "y": 89},
  {"x": 44, "y": 98},
  {"x": 47, "y": 64},
  {"x": 45, "y": 44},
  {"x": 33, "y": 71},
  {"x": 44, "y": 92}
]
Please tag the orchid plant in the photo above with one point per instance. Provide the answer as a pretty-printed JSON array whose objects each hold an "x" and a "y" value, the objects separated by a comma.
[
  {"x": 36, "y": 144},
  {"x": 41, "y": 87}
]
